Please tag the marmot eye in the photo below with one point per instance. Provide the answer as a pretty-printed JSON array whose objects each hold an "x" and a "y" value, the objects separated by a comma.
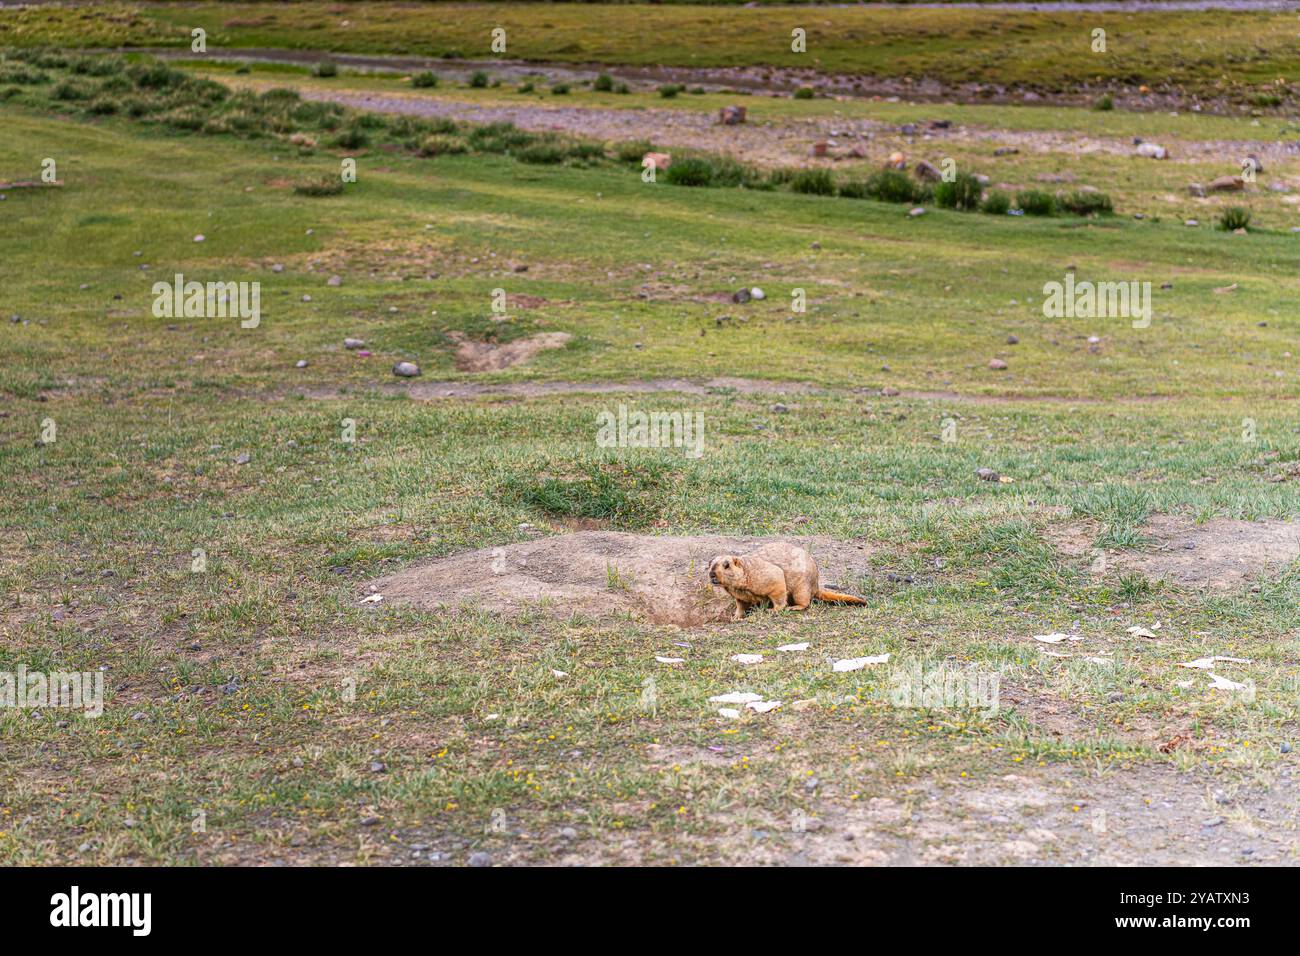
[{"x": 726, "y": 564}]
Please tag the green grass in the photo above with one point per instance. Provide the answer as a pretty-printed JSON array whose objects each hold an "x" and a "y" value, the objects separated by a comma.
[
  {"x": 1047, "y": 51},
  {"x": 152, "y": 415}
]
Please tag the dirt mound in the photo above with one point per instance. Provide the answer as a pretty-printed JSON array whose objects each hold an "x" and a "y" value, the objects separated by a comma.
[
  {"x": 474, "y": 356},
  {"x": 1222, "y": 554},
  {"x": 660, "y": 578}
]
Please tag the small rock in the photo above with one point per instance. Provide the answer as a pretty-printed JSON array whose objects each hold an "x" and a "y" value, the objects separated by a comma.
[
  {"x": 569, "y": 833},
  {"x": 757, "y": 294},
  {"x": 354, "y": 343},
  {"x": 1196, "y": 189},
  {"x": 986, "y": 474},
  {"x": 1012, "y": 340},
  {"x": 1226, "y": 184},
  {"x": 889, "y": 391},
  {"x": 199, "y": 238},
  {"x": 334, "y": 280},
  {"x": 243, "y": 459},
  {"x": 997, "y": 364},
  {"x": 406, "y": 369},
  {"x": 916, "y": 211},
  {"x": 301, "y": 363},
  {"x": 741, "y": 296},
  {"x": 378, "y": 766},
  {"x": 480, "y": 859},
  {"x": 275, "y": 268}
]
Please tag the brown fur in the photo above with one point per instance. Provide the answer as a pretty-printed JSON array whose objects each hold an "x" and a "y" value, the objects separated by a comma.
[{"x": 784, "y": 574}]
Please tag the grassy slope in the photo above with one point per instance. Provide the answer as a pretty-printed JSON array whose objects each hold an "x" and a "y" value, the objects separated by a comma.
[
  {"x": 150, "y": 421},
  {"x": 1137, "y": 185},
  {"x": 1048, "y": 51}
]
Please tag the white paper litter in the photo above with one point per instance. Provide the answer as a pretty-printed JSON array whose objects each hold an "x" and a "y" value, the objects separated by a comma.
[
  {"x": 1055, "y": 638},
  {"x": 794, "y": 647},
  {"x": 747, "y": 658},
  {"x": 729, "y": 712},
  {"x": 559, "y": 673},
  {"x": 1222, "y": 683},
  {"x": 736, "y": 697},
  {"x": 671, "y": 660},
  {"x": 857, "y": 663},
  {"x": 372, "y": 599},
  {"x": 1137, "y": 631},
  {"x": 1205, "y": 663},
  {"x": 763, "y": 706}
]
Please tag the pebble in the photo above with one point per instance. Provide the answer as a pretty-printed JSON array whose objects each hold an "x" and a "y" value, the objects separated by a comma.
[
  {"x": 354, "y": 343},
  {"x": 1012, "y": 340},
  {"x": 200, "y": 237},
  {"x": 997, "y": 364},
  {"x": 277, "y": 268},
  {"x": 243, "y": 459},
  {"x": 335, "y": 280},
  {"x": 916, "y": 211},
  {"x": 301, "y": 363},
  {"x": 406, "y": 369},
  {"x": 480, "y": 859}
]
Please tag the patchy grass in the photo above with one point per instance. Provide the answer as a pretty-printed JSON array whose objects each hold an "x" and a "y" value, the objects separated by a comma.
[
  {"x": 1045, "y": 51},
  {"x": 309, "y": 727}
]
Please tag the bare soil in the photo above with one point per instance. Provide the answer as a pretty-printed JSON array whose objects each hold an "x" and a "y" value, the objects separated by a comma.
[
  {"x": 474, "y": 356},
  {"x": 1222, "y": 554},
  {"x": 659, "y": 578}
]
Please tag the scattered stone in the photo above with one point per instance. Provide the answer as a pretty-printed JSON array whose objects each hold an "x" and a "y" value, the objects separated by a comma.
[
  {"x": 243, "y": 459},
  {"x": 741, "y": 296},
  {"x": 1152, "y": 151},
  {"x": 1012, "y": 340},
  {"x": 275, "y": 268},
  {"x": 1005, "y": 151},
  {"x": 568, "y": 833},
  {"x": 1196, "y": 189},
  {"x": 656, "y": 161},
  {"x": 354, "y": 343},
  {"x": 916, "y": 211},
  {"x": 927, "y": 171},
  {"x": 1226, "y": 184},
  {"x": 731, "y": 115},
  {"x": 997, "y": 364},
  {"x": 986, "y": 474},
  {"x": 780, "y": 409},
  {"x": 480, "y": 859},
  {"x": 200, "y": 237},
  {"x": 889, "y": 391},
  {"x": 335, "y": 280},
  {"x": 1190, "y": 222},
  {"x": 757, "y": 294},
  {"x": 378, "y": 766},
  {"x": 301, "y": 363},
  {"x": 406, "y": 369}
]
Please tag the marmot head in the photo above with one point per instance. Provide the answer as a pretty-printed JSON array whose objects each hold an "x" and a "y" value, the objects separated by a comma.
[{"x": 726, "y": 569}]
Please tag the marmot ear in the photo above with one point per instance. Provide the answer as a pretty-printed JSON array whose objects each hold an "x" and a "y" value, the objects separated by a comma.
[{"x": 737, "y": 562}]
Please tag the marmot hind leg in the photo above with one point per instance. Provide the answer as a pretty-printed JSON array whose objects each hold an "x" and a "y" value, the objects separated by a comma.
[{"x": 801, "y": 597}]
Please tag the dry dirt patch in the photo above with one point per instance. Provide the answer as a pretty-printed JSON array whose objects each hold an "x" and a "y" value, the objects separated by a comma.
[
  {"x": 472, "y": 356},
  {"x": 1222, "y": 554},
  {"x": 656, "y": 577}
]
